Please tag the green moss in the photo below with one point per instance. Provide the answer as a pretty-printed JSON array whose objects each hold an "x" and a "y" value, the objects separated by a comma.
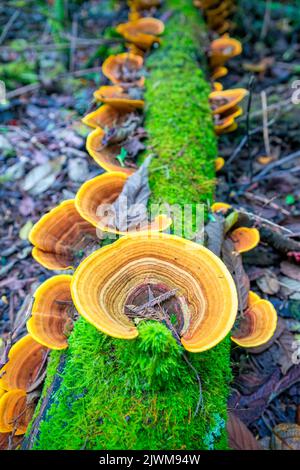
[
  {"x": 136, "y": 394},
  {"x": 142, "y": 394}
]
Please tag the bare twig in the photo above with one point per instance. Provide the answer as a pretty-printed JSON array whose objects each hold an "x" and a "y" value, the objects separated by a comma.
[
  {"x": 265, "y": 122},
  {"x": 9, "y": 25}
]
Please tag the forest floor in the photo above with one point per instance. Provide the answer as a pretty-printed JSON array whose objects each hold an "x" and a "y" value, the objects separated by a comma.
[{"x": 50, "y": 83}]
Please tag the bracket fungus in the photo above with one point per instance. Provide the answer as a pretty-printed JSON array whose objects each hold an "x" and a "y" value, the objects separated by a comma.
[
  {"x": 245, "y": 238},
  {"x": 218, "y": 73},
  {"x": 223, "y": 49},
  {"x": 143, "y": 32},
  {"x": 125, "y": 68},
  {"x": 95, "y": 194},
  {"x": 15, "y": 412},
  {"x": 223, "y": 101},
  {"x": 225, "y": 121},
  {"x": 26, "y": 359},
  {"x": 157, "y": 277},
  {"x": 219, "y": 163},
  {"x": 52, "y": 313},
  {"x": 106, "y": 155},
  {"x": 220, "y": 207},
  {"x": 105, "y": 117},
  {"x": 60, "y": 236},
  {"x": 257, "y": 325},
  {"x": 117, "y": 97},
  {"x": 143, "y": 4}
]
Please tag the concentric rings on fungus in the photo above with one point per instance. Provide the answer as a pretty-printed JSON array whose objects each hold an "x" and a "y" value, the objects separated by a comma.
[
  {"x": 117, "y": 97},
  {"x": 111, "y": 286},
  {"x": 25, "y": 359},
  {"x": 257, "y": 325},
  {"x": 125, "y": 68},
  {"x": 95, "y": 194},
  {"x": 51, "y": 319},
  {"x": 15, "y": 413},
  {"x": 60, "y": 236}
]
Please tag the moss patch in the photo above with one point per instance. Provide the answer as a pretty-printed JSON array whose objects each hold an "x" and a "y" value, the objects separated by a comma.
[{"x": 141, "y": 394}]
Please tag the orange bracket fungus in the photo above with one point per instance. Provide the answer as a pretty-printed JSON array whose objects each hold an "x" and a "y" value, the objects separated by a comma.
[
  {"x": 117, "y": 97},
  {"x": 106, "y": 155},
  {"x": 218, "y": 73},
  {"x": 143, "y": 4},
  {"x": 219, "y": 163},
  {"x": 222, "y": 207},
  {"x": 52, "y": 313},
  {"x": 223, "y": 49},
  {"x": 143, "y": 32},
  {"x": 26, "y": 360},
  {"x": 158, "y": 277},
  {"x": 222, "y": 101},
  {"x": 106, "y": 116},
  {"x": 15, "y": 412},
  {"x": 257, "y": 325},
  {"x": 95, "y": 195},
  {"x": 124, "y": 69},
  {"x": 60, "y": 236},
  {"x": 245, "y": 238}
]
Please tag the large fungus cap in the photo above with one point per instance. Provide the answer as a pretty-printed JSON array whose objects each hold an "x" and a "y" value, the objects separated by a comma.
[
  {"x": 142, "y": 32},
  {"x": 257, "y": 325},
  {"x": 113, "y": 284},
  {"x": 105, "y": 155},
  {"x": 25, "y": 361},
  {"x": 245, "y": 238},
  {"x": 105, "y": 189},
  {"x": 223, "y": 49},
  {"x": 51, "y": 319},
  {"x": 60, "y": 235},
  {"x": 222, "y": 101},
  {"x": 15, "y": 413},
  {"x": 125, "y": 68},
  {"x": 106, "y": 116},
  {"x": 117, "y": 97}
]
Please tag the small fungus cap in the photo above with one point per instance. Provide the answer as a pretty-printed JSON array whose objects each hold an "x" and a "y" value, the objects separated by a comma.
[
  {"x": 143, "y": 32},
  {"x": 222, "y": 101},
  {"x": 106, "y": 116},
  {"x": 124, "y": 68},
  {"x": 105, "y": 155},
  {"x": 258, "y": 325},
  {"x": 57, "y": 235},
  {"x": 25, "y": 359},
  {"x": 51, "y": 322},
  {"x": 116, "y": 96},
  {"x": 114, "y": 280},
  {"x": 245, "y": 238},
  {"x": 15, "y": 414}
]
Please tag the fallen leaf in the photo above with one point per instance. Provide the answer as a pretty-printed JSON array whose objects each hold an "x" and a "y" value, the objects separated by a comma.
[
  {"x": 214, "y": 230},
  {"x": 233, "y": 261},
  {"x": 24, "y": 231},
  {"x": 290, "y": 270},
  {"x": 268, "y": 283},
  {"x": 131, "y": 206},
  {"x": 239, "y": 436},
  {"x": 40, "y": 178},
  {"x": 290, "y": 288},
  {"x": 78, "y": 170},
  {"x": 285, "y": 437}
]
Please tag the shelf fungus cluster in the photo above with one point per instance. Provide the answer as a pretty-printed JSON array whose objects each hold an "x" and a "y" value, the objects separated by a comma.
[
  {"x": 257, "y": 318},
  {"x": 217, "y": 13},
  {"x": 119, "y": 121},
  {"x": 20, "y": 379}
]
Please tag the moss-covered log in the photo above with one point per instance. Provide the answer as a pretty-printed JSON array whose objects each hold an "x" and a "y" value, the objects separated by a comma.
[{"x": 142, "y": 394}]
